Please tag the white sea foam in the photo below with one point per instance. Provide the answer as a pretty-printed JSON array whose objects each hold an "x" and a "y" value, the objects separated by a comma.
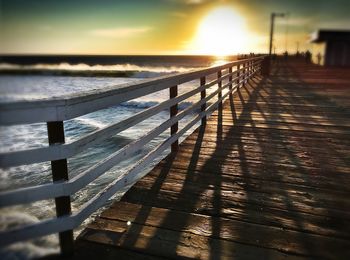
[
  {"x": 28, "y": 249},
  {"x": 86, "y": 67},
  {"x": 26, "y": 87},
  {"x": 91, "y": 122}
]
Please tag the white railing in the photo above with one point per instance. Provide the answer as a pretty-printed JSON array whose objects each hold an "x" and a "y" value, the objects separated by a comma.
[{"x": 56, "y": 111}]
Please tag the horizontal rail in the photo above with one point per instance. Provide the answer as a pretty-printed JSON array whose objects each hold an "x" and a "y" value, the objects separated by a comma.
[
  {"x": 76, "y": 105},
  {"x": 67, "y": 150},
  {"x": 57, "y": 189},
  {"x": 42, "y": 154}
]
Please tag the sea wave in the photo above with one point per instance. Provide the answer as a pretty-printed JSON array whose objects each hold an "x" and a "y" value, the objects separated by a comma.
[
  {"x": 86, "y": 67},
  {"x": 89, "y": 121},
  {"x": 34, "y": 248}
]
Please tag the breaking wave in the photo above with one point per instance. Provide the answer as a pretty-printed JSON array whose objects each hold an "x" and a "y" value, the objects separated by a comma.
[{"x": 87, "y": 67}]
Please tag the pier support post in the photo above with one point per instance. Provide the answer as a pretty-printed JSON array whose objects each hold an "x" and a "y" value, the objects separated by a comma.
[
  {"x": 173, "y": 112},
  {"x": 220, "y": 89},
  {"x": 59, "y": 170},
  {"x": 203, "y": 95}
]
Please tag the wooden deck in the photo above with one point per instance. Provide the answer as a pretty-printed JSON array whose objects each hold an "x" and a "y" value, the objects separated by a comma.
[{"x": 268, "y": 177}]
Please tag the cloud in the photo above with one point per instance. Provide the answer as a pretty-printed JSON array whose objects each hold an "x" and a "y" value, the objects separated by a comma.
[{"x": 120, "y": 32}]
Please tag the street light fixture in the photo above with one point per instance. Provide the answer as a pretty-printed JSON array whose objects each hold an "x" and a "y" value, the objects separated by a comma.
[{"x": 273, "y": 16}]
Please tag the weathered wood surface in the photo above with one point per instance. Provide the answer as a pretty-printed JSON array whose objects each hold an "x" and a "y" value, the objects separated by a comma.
[{"x": 267, "y": 177}]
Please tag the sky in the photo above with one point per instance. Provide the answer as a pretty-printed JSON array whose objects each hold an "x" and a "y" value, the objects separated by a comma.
[{"x": 163, "y": 27}]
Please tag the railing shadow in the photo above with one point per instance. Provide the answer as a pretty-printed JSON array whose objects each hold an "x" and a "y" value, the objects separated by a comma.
[
  {"x": 266, "y": 160},
  {"x": 298, "y": 209},
  {"x": 278, "y": 184}
]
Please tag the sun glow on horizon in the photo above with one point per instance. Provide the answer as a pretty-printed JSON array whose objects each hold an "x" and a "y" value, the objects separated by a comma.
[{"x": 222, "y": 32}]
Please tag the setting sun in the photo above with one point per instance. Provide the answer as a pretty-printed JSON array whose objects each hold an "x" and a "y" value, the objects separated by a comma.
[{"x": 221, "y": 32}]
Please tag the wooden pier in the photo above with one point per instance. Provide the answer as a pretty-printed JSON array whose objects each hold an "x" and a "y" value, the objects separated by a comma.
[{"x": 267, "y": 177}]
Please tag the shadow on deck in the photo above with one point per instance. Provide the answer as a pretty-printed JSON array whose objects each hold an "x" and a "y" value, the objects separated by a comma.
[{"x": 268, "y": 176}]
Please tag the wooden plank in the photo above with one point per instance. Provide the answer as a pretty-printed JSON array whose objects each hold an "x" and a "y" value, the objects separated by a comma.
[
  {"x": 264, "y": 145},
  {"x": 263, "y": 162},
  {"x": 261, "y": 214},
  {"x": 282, "y": 120},
  {"x": 203, "y": 199},
  {"x": 90, "y": 250},
  {"x": 221, "y": 228},
  {"x": 230, "y": 229},
  {"x": 241, "y": 183},
  {"x": 173, "y": 244},
  {"x": 272, "y": 134},
  {"x": 306, "y": 128},
  {"x": 298, "y": 202},
  {"x": 275, "y": 172},
  {"x": 258, "y": 174},
  {"x": 300, "y": 159}
]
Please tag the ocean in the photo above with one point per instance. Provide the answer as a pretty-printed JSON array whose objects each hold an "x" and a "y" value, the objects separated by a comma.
[{"x": 35, "y": 77}]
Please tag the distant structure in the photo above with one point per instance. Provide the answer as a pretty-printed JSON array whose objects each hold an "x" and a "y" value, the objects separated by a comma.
[{"x": 337, "y": 46}]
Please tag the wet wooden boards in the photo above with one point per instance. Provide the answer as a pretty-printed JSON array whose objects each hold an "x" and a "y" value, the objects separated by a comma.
[{"x": 268, "y": 177}]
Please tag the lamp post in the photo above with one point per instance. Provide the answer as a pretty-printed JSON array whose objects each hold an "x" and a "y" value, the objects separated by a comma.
[
  {"x": 297, "y": 46},
  {"x": 273, "y": 16}
]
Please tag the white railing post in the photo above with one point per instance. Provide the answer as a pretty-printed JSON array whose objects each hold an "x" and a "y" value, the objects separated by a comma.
[{"x": 55, "y": 131}]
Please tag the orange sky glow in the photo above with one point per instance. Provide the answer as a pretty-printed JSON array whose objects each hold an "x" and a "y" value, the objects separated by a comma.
[{"x": 158, "y": 27}]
